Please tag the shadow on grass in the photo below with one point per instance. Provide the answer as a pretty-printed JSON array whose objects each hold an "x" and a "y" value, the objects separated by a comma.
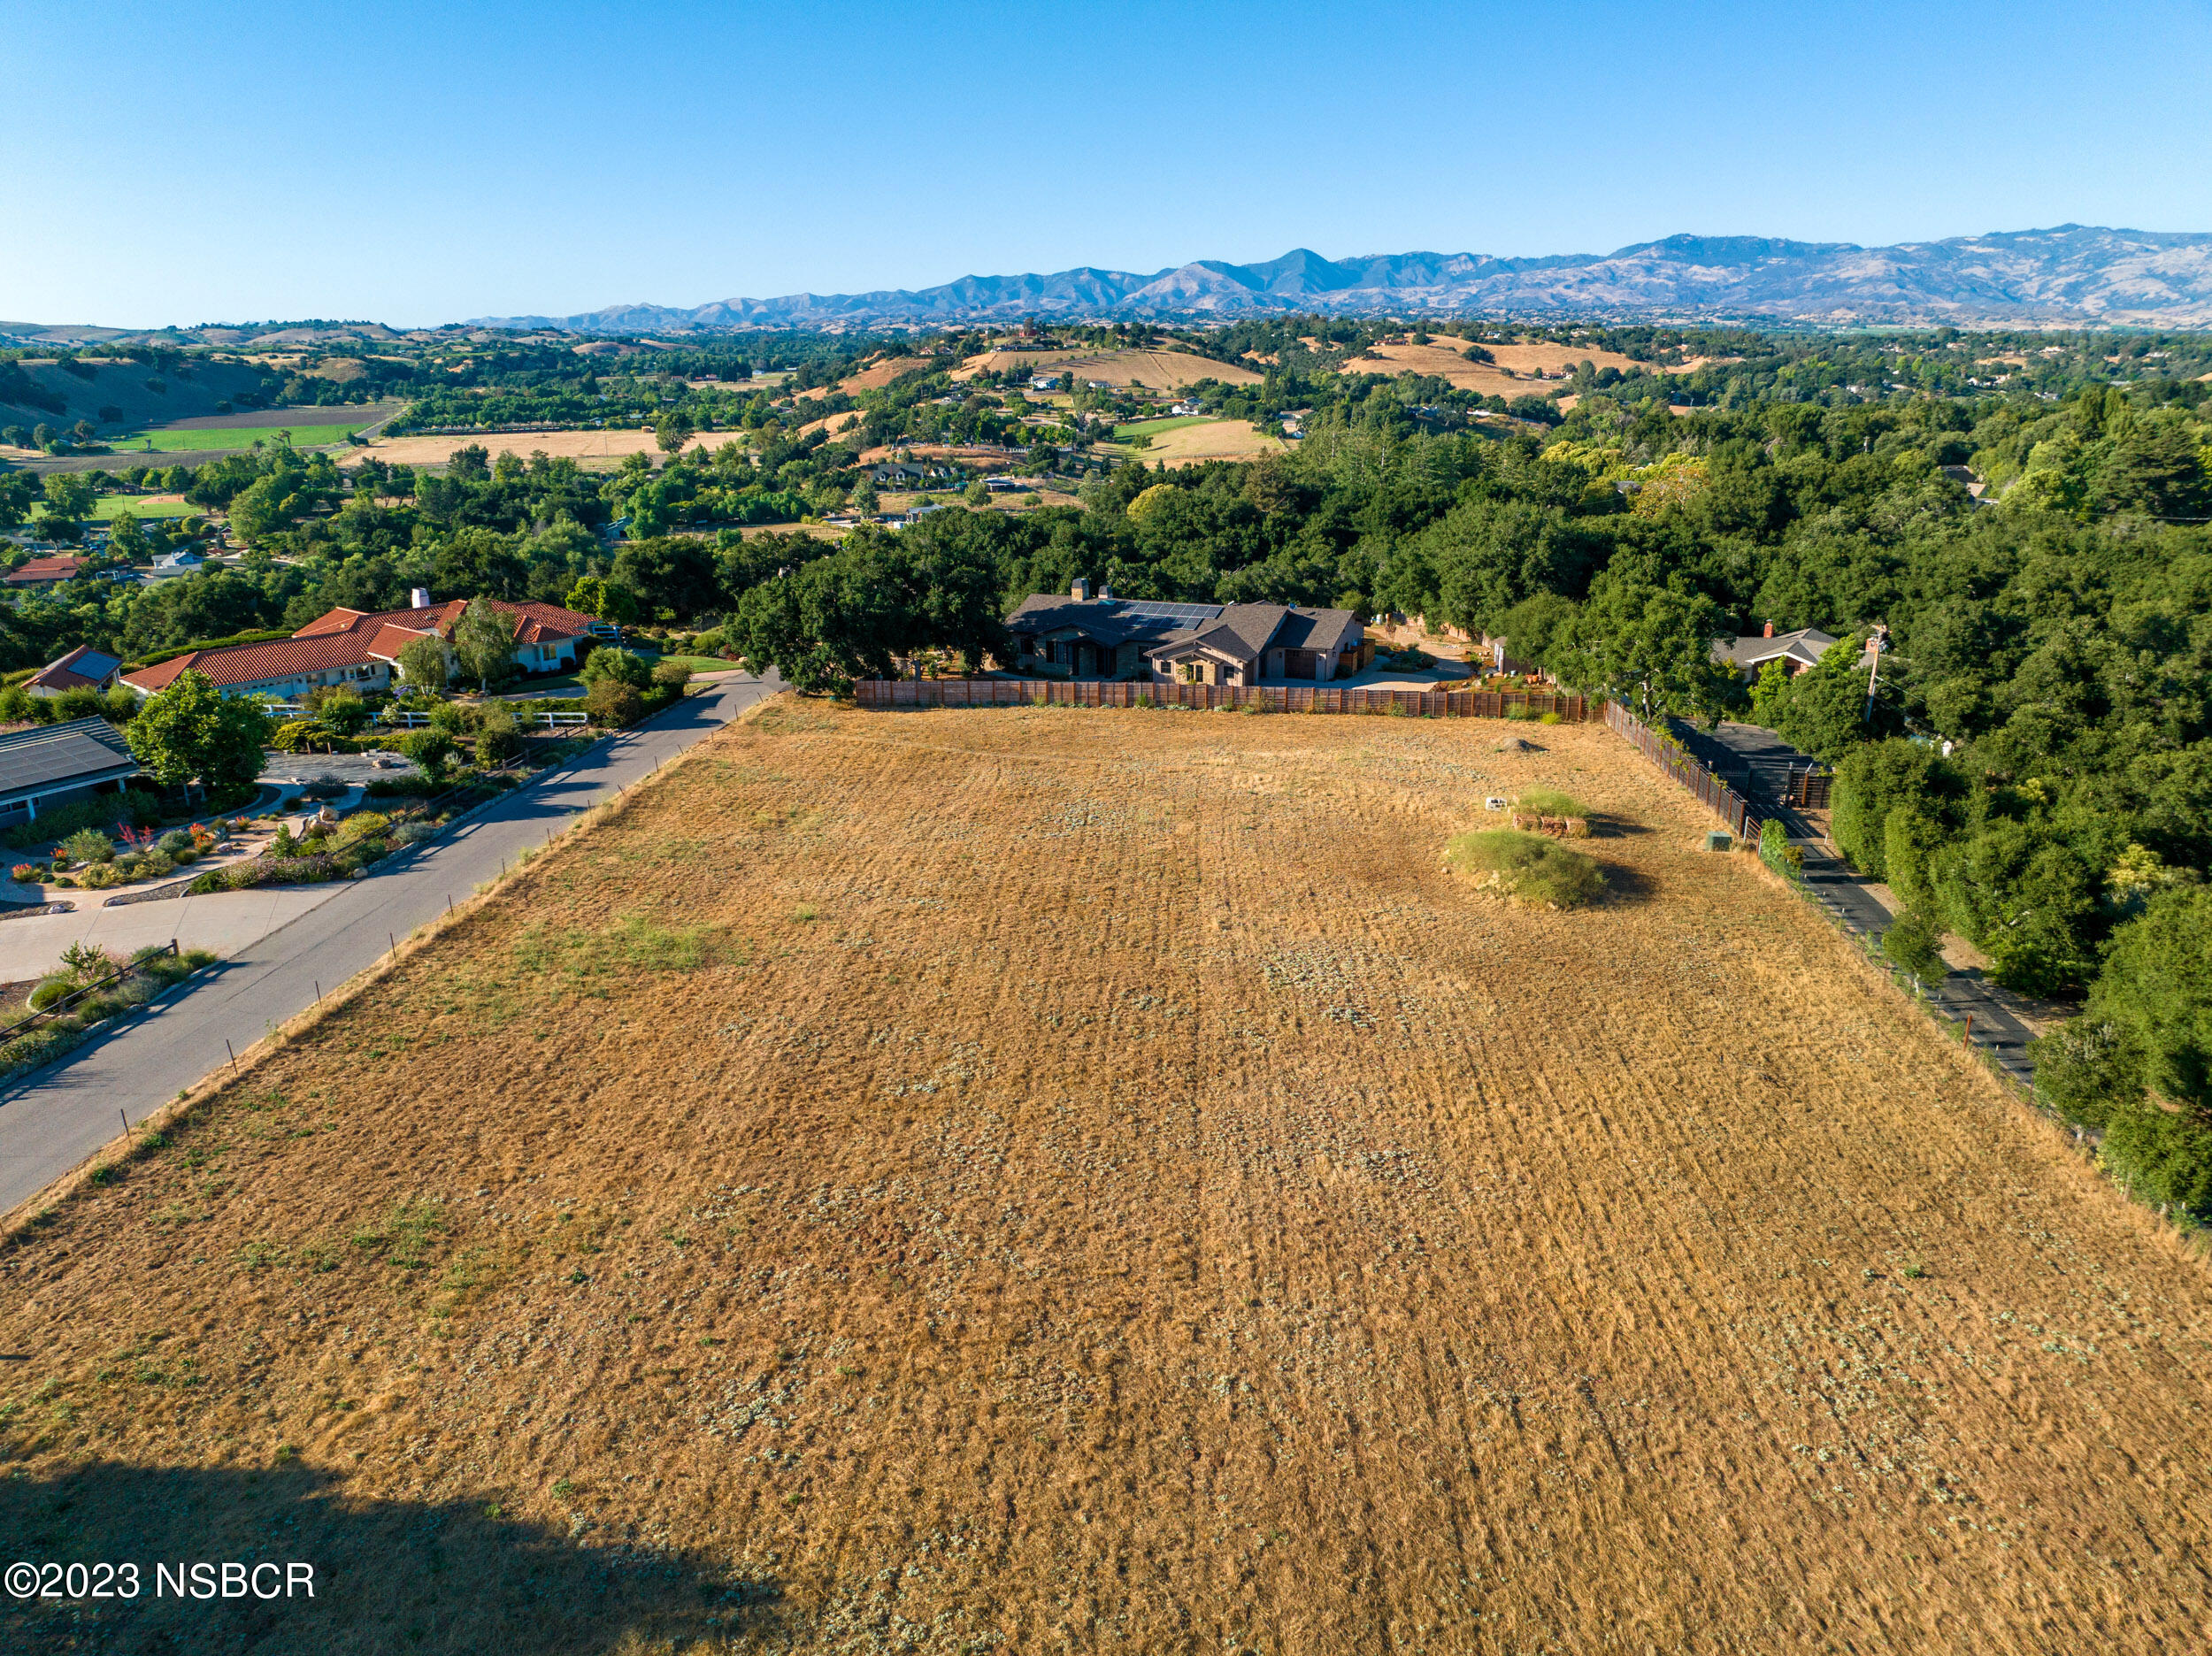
[
  {"x": 388, "y": 1576},
  {"x": 1625, "y": 884}
]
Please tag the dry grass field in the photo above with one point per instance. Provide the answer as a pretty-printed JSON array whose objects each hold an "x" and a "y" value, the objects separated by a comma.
[
  {"x": 1156, "y": 371},
  {"x": 1444, "y": 358},
  {"x": 1048, "y": 1179},
  {"x": 581, "y": 445},
  {"x": 1211, "y": 440}
]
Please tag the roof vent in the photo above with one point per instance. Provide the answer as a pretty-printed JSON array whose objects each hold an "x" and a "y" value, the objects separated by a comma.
[{"x": 419, "y": 599}]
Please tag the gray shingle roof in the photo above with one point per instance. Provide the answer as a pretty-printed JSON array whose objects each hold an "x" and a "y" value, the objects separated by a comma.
[
  {"x": 1807, "y": 645},
  {"x": 59, "y": 755}
]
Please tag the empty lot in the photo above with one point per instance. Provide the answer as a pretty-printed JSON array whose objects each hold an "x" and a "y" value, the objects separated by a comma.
[{"x": 1041, "y": 1179}]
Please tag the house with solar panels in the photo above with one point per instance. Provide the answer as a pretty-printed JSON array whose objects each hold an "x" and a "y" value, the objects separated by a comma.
[
  {"x": 1079, "y": 636},
  {"x": 60, "y": 765}
]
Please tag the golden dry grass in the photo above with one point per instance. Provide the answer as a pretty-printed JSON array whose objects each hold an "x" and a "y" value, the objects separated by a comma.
[
  {"x": 1155, "y": 369},
  {"x": 583, "y": 446},
  {"x": 1214, "y": 439},
  {"x": 1042, "y": 1179}
]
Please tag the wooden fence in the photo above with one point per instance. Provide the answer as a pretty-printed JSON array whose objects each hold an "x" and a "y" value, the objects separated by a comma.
[
  {"x": 1723, "y": 800},
  {"x": 960, "y": 693}
]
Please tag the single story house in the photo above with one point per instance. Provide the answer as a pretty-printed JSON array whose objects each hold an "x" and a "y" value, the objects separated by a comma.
[
  {"x": 84, "y": 668},
  {"x": 361, "y": 648},
  {"x": 1188, "y": 405},
  {"x": 46, "y": 572},
  {"x": 1079, "y": 636},
  {"x": 1044, "y": 382},
  {"x": 1260, "y": 643},
  {"x": 1799, "y": 650},
  {"x": 58, "y": 764},
  {"x": 181, "y": 561}
]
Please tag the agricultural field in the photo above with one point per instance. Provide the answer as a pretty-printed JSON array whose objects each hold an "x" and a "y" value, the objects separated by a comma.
[
  {"x": 1041, "y": 1179},
  {"x": 228, "y": 439}
]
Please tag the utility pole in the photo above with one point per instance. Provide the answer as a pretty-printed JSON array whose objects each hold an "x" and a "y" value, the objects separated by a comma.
[{"x": 1878, "y": 642}]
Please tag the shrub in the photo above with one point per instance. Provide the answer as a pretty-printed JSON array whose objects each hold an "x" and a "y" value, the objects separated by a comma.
[
  {"x": 362, "y": 825},
  {"x": 2087, "y": 1069},
  {"x": 612, "y": 664},
  {"x": 29, "y": 871},
  {"x": 401, "y": 787},
  {"x": 498, "y": 738},
  {"x": 88, "y": 845},
  {"x": 433, "y": 749},
  {"x": 614, "y": 704},
  {"x": 1915, "y": 945},
  {"x": 671, "y": 672},
  {"x": 2163, "y": 1156},
  {"x": 1547, "y": 718},
  {"x": 52, "y": 988},
  {"x": 1777, "y": 852},
  {"x": 1529, "y": 868},
  {"x": 1550, "y": 802}
]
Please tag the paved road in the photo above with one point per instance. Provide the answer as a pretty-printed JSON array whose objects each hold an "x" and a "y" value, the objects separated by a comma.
[
  {"x": 53, "y": 1119},
  {"x": 1758, "y": 763}
]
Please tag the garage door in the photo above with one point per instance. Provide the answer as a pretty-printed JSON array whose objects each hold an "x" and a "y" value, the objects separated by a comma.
[{"x": 1299, "y": 663}]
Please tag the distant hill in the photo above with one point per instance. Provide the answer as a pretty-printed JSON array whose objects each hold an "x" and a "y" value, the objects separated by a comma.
[
  {"x": 2075, "y": 275},
  {"x": 34, "y": 392}
]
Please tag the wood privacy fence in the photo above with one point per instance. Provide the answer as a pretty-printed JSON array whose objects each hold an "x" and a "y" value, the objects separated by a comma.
[
  {"x": 958, "y": 693},
  {"x": 1723, "y": 800}
]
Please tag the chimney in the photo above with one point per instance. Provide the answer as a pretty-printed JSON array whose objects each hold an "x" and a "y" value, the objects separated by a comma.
[
  {"x": 1769, "y": 631},
  {"x": 419, "y": 599},
  {"x": 1081, "y": 589}
]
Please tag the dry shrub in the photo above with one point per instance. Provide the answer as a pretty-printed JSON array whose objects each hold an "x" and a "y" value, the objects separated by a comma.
[{"x": 1526, "y": 867}]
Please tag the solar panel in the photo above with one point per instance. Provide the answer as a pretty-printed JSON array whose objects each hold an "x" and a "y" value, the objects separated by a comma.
[{"x": 1180, "y": 614}]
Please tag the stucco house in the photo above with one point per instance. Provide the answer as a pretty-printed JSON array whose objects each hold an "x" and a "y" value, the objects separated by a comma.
[{"x": 361, "y": 648}]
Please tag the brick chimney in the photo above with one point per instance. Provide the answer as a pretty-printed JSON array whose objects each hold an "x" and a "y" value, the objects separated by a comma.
[
  {"x": 1080, "y": 589},
  {"x": 1769, "y": 631}
]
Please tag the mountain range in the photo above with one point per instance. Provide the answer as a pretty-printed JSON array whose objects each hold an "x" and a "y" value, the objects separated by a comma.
[{"x": 2073, "y": 275}]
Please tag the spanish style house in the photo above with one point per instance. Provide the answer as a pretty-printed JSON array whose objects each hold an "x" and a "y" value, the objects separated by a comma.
[{"x": 361, "y": 648}]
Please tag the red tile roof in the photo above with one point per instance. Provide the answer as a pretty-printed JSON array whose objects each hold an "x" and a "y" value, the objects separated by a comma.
[
  {"x": 354, "y": 638},
  {"x": 62, "y": 566}
]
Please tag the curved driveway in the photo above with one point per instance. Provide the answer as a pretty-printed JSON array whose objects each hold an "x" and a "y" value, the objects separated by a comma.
[{"x": 55, "y": 1117}]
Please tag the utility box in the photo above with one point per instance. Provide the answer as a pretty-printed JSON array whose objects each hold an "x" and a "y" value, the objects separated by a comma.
[{"x": 1719, "y": 840}]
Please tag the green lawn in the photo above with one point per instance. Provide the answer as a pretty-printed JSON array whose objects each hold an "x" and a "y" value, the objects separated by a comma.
[
  {"x": 170, "y": 438},
  {"x": 1154, "y": 427},
  {"x": 697, "y": 664},
  {"x": 110, "y": 506}
]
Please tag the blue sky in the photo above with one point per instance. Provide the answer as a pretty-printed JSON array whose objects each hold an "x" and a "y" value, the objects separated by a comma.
[{"x": 188, "y": 162}]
